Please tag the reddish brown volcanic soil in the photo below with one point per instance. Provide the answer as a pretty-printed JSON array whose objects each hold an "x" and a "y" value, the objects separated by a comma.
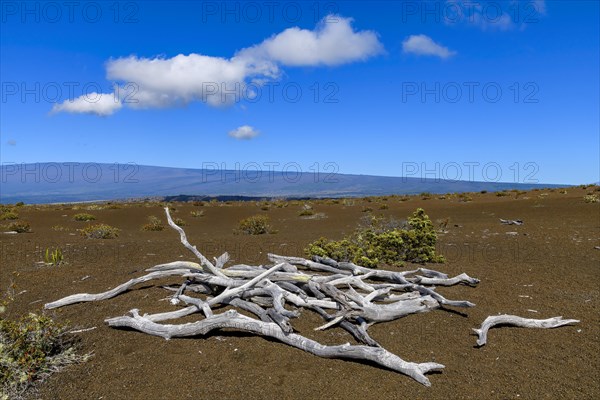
[{"x": 551, "y": 266}]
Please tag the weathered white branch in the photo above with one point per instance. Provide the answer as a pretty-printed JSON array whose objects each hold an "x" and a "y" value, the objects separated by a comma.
[
  {"x": 83, "y": 297},
  {"x": 462, "y": 278},
  {"x": 233, "y": 320},
  {"x": 193, "y": 249},
  {"x": 495, "y": 320}
]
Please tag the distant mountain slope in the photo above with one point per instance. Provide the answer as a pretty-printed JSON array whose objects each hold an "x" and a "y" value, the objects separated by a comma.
[{"x": 72, "y": 182}]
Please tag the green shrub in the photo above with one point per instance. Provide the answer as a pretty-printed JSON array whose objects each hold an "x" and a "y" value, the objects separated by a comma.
[
  {"x": 100, "y": 231},
  {"x": 84, "y": 217},
  {"x": 10, "y": 215},
  {"x": 591, "y": 198},
  {"x": 31, "y": 349},
  {"x": 307, "y": 211},
  {"x": 154, "y": 224},
  {"x": 464, "y": 198},
  {"x": 19, "y": 227},
  {"x": 54, "y": 258},
  {"x": 383, "y": 242},
  {"x": 197, "y": 214},
  {"x": 255, "y": 225},
  {"x": 179, "y": 222}
]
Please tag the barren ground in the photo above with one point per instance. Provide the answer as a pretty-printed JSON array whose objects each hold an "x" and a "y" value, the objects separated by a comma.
[{"x": 549, "y": 268}]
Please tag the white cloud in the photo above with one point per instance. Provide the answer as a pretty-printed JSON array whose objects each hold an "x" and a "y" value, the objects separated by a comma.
[
  {"x": 332, "y": 42},
  {"x": 166, "y": 82},
  {"x": 102, "y": 104},
  {"x": 244, "y": 132},
  {"x": 424, "y": 46},
  {"x": 163, "y": 82}
]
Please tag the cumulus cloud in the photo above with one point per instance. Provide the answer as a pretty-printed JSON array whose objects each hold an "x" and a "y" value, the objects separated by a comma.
[
  {"x": 332, "y": 42},
  {"x": 244, "y": 132},
  {"x": 167, "y": 82},
  {"x": 162, "y": 82},
  {"x": 423, "y": 45},
  {"x": 102, "y": 104}
]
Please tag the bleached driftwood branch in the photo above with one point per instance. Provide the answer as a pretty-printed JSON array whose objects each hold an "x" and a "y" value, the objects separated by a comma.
[
  {"x": 496, "y": 320},
  {"x": 233, "y": 319}
]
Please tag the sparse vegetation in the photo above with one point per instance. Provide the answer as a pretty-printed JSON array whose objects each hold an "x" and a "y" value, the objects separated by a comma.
[
  {"x": 59, "y": 228},
  {"x": 54, "y": 258},
  {"x": 307, "y": 211},
  {"x": 197, "y": 214},
  {"x": 84, "y": 217},
  {"x": 383, "y": 242},
  {"x": 464, "y": 198},
  {"x": 179, "y": 222},
  {"x": 19, "y": 227},
  {"x": 255, "y": 225},
  {"x": 100, "y": 231},
  {"x": 501, "y": 194},
  {"x": 591, "y": 198},
  {"x": 154, "y": 224},
  {"x": 31, "y": 349},
  {"x": 9, "y": 215}
]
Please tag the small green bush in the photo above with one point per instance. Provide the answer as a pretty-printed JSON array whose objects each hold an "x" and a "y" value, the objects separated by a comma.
[
  {"x": 154, "y": 224},
  {"x": 10, "y": 215},
  {"x": 255, "y": 225},
  {"x": 19, "y": 227},
  {"x": 31, "y": 349},
  {"x": 179, "y": 222},
  {"x": 54, "y": 258},
  {"x": 100, "y": 231},
  {"x": 383, "y": 242},
  {"x": 84, "y": 217},
  {"x": 464, "y": 198}
]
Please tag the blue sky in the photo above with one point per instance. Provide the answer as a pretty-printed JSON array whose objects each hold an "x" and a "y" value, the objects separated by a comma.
[{"x": 438, "y": 89}]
